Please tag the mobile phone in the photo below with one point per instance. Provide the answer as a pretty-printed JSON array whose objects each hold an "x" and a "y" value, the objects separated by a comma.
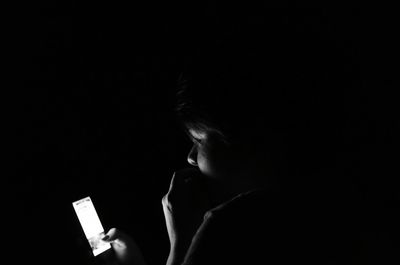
[{"x": 91, "y": 225}]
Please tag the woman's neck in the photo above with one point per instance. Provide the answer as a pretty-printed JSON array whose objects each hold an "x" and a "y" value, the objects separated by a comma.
[{"x": 223, "y": 191}]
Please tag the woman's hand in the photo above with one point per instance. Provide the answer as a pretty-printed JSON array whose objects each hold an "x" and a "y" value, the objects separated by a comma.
[
  {"x": 184, "y": 207},
  {"x": 126, "y": 250}
]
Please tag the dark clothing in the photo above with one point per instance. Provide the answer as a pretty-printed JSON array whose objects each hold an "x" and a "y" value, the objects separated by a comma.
[{"x": 265, "y": 227}]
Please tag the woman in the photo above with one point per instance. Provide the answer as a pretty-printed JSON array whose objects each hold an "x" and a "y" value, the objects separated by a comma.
[{"x": 265, "y": 121}]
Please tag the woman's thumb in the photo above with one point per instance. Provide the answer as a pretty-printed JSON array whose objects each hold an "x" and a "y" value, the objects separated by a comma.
[{"x": 112, "y": 235}]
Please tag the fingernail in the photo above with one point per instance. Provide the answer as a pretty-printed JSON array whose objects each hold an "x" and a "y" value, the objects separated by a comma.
[{"x": 105, "y": 238}]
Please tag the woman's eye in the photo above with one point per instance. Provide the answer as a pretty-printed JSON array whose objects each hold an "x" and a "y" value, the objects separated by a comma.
[{"x": 195, "y": 140}]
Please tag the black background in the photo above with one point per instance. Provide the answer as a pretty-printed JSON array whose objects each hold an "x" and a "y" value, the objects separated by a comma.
[{"x": 92, "y": 114}]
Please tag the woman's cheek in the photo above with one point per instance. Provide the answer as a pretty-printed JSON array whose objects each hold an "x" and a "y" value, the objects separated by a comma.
[{"x": 209, "y": 164}]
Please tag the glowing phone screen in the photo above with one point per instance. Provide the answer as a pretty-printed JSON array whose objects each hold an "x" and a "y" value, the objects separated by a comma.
[{"x": 91, "y": 225}]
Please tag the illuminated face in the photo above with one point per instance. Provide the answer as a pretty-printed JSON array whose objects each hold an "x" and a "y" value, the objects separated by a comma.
[
  {"x": 229, "y": 168},
  {"x": 210, "y": 154}
]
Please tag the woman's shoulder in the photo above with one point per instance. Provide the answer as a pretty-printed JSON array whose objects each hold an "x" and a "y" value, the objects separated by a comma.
[
  {"x": 274, "y": 222},
  {"x": 240, "y": 230}
]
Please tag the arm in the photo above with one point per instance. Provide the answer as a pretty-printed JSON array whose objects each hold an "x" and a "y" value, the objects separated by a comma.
[
  {"x": 176, "y": 256},
  {"x": 184, "y": 206}
]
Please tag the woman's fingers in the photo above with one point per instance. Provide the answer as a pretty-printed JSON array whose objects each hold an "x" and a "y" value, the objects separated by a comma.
[
  {"x": 181, "y": 177},
  {"x": 115, "y": 235},
  {"x": 175, "y": 188},
  {"x": 111, "y": 235},
  {"x": 184, "y": 205},
  {"x": 176, "y": 181},
  {"x": 126, "y": 249},
  {"x": 184, "y": 177}
]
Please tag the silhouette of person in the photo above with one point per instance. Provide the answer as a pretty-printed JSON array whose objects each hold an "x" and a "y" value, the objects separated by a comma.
[{"x": 266, "y": 109}]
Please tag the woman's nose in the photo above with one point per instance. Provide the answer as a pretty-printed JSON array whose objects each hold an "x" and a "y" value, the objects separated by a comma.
[{"x": 192, "y": 156}]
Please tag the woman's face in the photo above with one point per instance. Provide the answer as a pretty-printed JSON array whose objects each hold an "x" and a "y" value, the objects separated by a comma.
[
  {"x": 229, "y": 168},
  {"x": 210, "y": 154}
]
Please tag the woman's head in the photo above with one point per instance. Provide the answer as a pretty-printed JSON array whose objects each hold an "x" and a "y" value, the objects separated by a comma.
[
  {"x": 273, "y": 104},
  {"x": 224, "y": 118}
]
